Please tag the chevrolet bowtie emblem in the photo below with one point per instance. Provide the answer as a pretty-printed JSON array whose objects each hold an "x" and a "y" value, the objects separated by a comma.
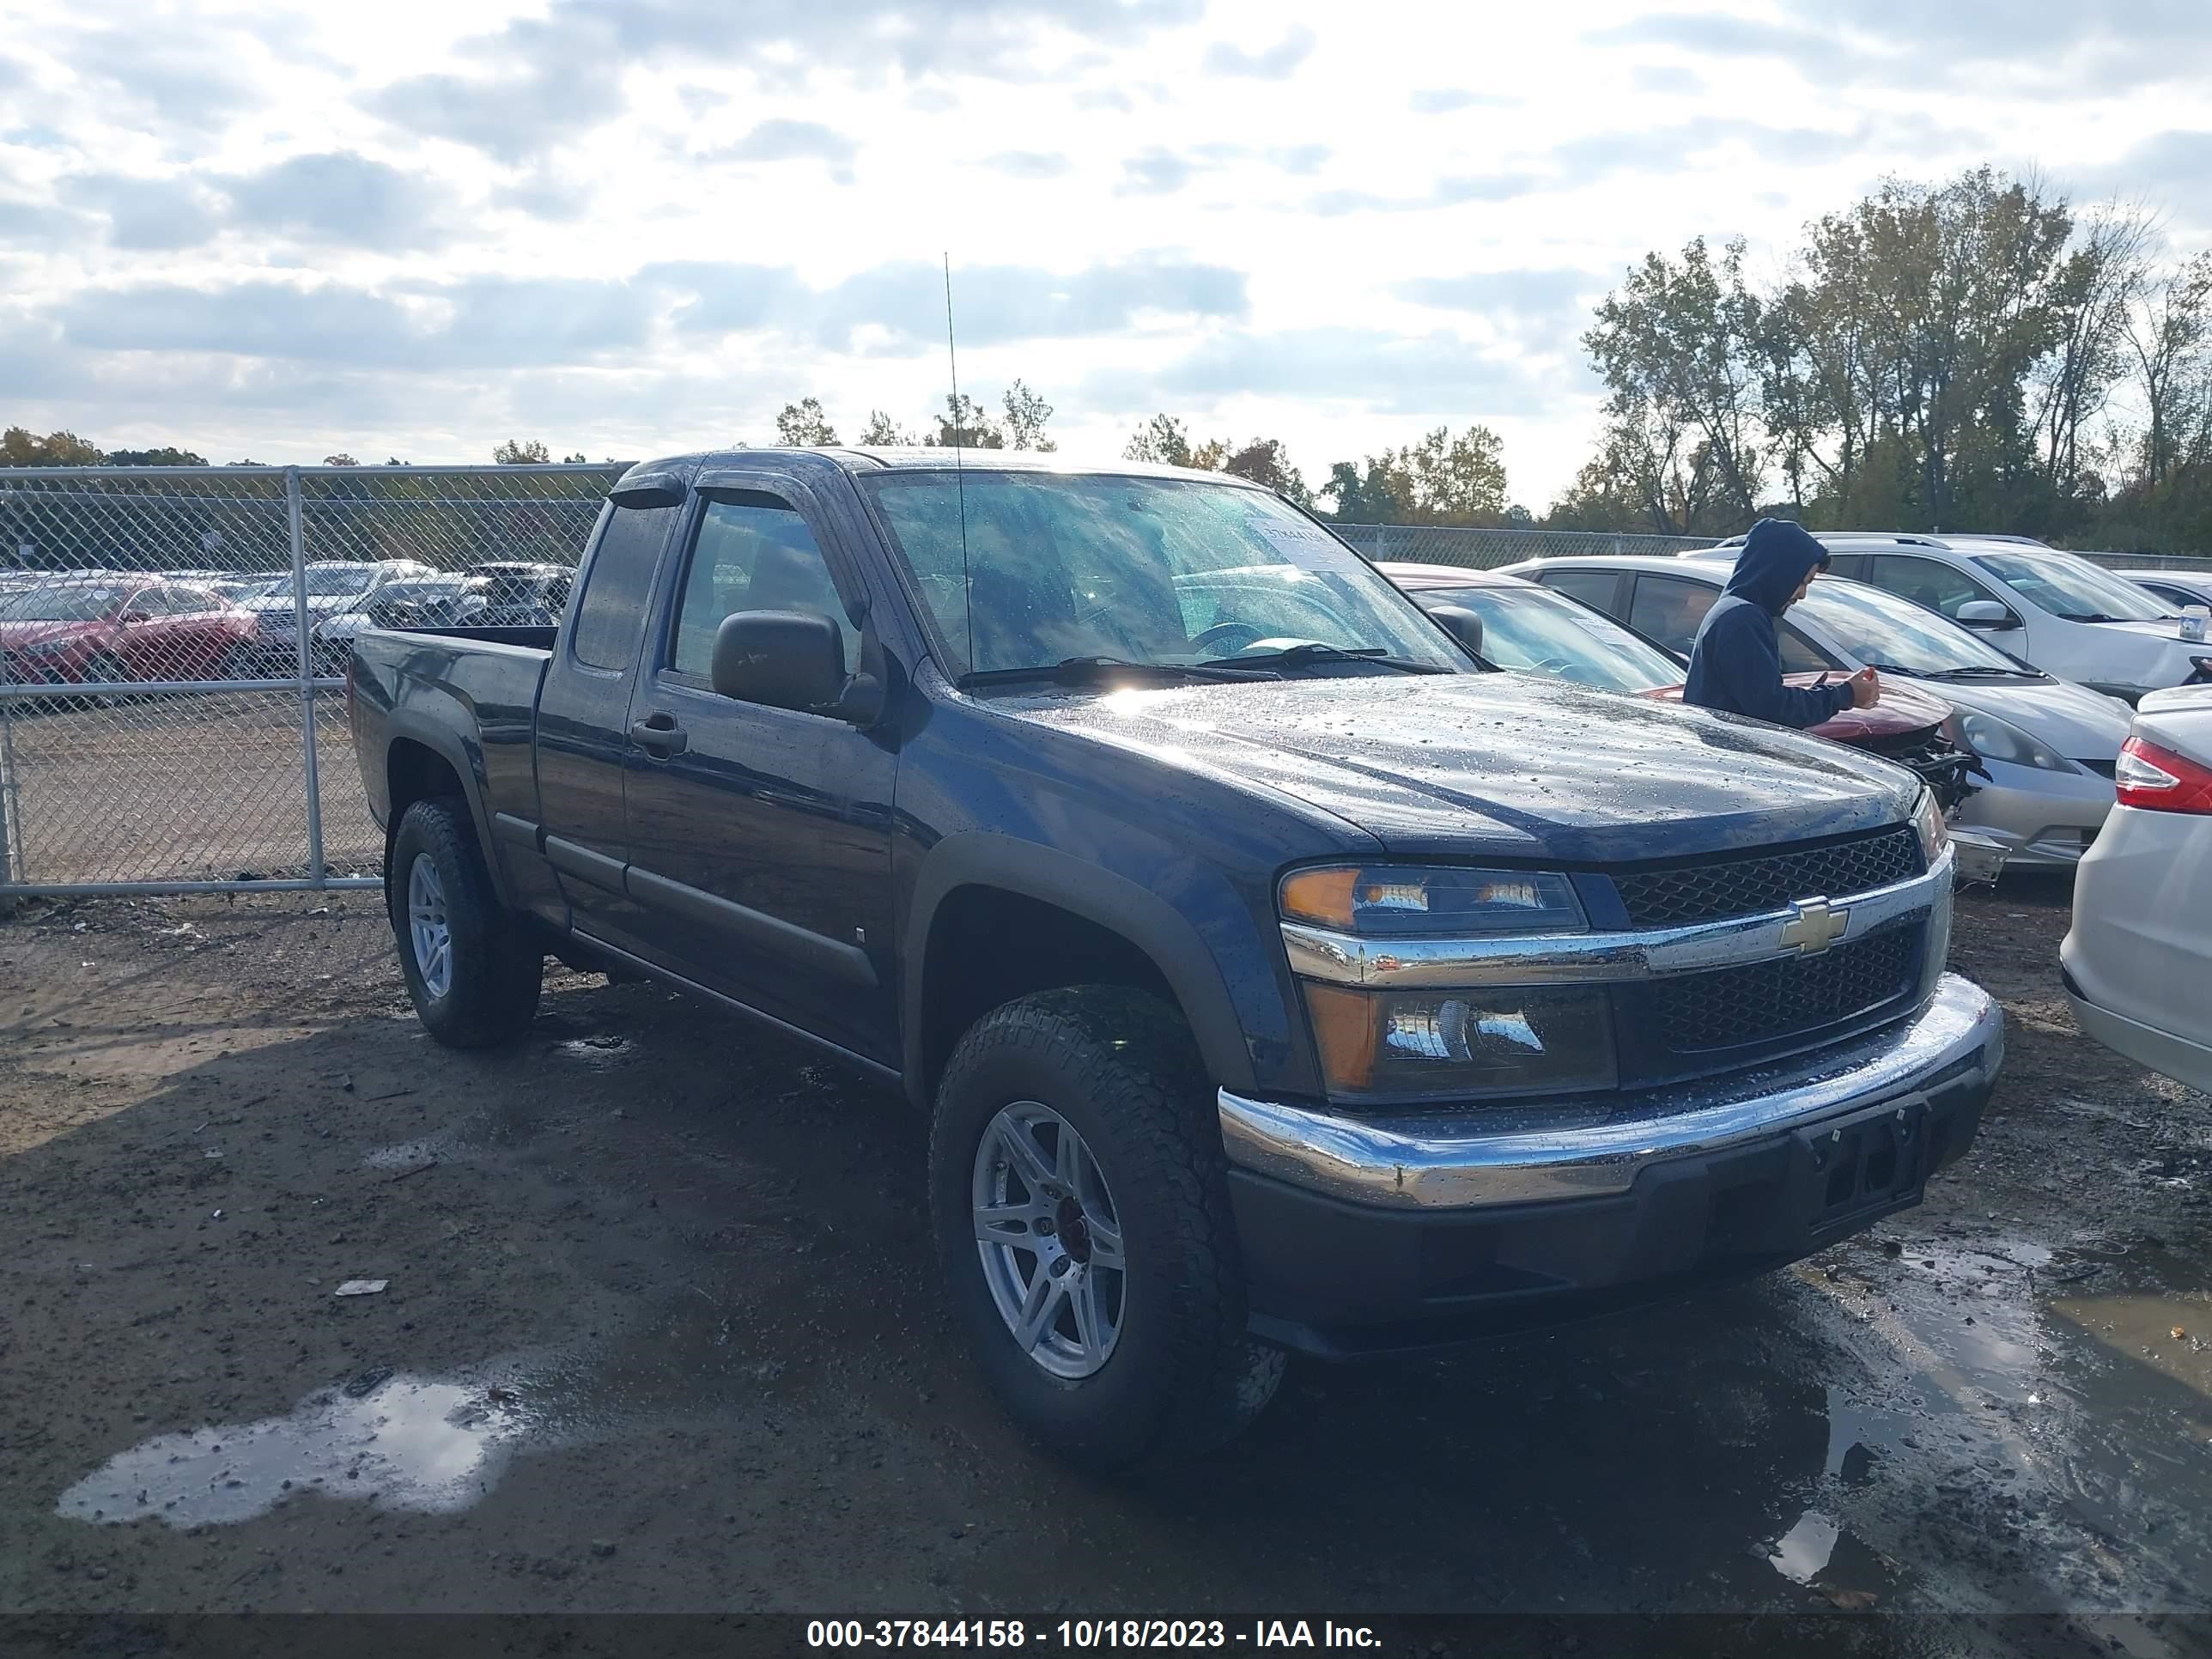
[{"x": 1813, "y": 927}]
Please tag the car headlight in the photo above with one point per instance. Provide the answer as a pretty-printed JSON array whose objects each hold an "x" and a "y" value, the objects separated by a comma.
[
  {"x": 1451, "y": 1043},
  {"x": 1394, "y": 902},
  {"x": 2001, "y": 740},
  {"x": 1928, "y": 822},
  {"x": 1505, "y": 1040},
  {"x": 46, "y": 650}
]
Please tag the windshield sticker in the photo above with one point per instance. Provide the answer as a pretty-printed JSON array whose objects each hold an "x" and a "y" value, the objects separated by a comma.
[{"x": 1309, "y": 546}]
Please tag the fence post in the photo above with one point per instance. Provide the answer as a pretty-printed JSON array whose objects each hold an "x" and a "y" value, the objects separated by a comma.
[
  {"x": 306, "y": 672},
  {"x": 8, "y": 808}
]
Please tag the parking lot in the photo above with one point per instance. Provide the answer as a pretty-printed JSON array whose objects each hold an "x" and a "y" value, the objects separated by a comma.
[{"x": 660, "y": 1331}]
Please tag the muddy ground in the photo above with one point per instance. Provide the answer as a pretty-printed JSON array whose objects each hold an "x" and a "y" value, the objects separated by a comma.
[{"x": 660, "y": 1331}]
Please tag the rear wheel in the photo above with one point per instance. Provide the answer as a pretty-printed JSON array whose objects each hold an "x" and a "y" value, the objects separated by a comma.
[
  {"x": 473, "y": 968},
  {"x": 1081, "y": 1207}
]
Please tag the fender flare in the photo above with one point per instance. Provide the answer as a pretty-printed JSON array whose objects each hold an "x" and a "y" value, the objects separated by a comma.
[
  {"x": 466, "y": 767},
  {"x": 1029, "y": 870}
]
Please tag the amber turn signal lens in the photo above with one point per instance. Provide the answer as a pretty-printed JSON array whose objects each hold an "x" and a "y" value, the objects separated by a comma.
[
  {"x": 1344, "y": 1031},
  {"x": 1321, "y": 895}
]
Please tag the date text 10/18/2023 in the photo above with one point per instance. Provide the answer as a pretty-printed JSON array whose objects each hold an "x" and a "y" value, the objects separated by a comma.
[{"x": 1085, "y": 1634}]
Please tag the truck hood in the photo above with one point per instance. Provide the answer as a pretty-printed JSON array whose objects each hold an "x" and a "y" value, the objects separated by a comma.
[{"x": 1497, "y": 763}]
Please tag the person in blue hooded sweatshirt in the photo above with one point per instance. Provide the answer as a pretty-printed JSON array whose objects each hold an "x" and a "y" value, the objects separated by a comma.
[{"x": 1736, "y": 665}]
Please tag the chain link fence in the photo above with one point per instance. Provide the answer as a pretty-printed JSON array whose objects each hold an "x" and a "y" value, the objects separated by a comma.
[{"x": 171, "y": 640}]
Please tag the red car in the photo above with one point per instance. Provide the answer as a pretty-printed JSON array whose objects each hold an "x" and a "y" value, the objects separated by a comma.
[{"x": 81, "y": 628}]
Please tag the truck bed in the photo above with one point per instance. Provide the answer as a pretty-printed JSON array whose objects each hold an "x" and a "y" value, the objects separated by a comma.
[{"x": 466, "y": 696}]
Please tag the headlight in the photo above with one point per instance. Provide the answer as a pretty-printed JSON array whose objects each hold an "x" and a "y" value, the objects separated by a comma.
[
  {"x": 1400, "y": 902},
  {"x": 1450, "y": 1044},
  {"x": 46, "y": 649},
  {"x": 1928, "y": 820},
  {"x": 2001, "y": 740},
  {"x": 1512, "y": 1040}
]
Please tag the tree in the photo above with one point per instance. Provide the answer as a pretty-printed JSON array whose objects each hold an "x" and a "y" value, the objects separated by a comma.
[
  {"x": 340, "y": 459},
  {"x": 1026, "y": 415},
  {"x": 1677, "y": 344},
  {"x": 2094, "y": 295},
  {"x": 167, "y": 455},
  {"x": 964, "y": 423},
  {"x": 21, "y": 447},
  {"x": 883, "y": 432},
  {"x": 577, "y": 459},
  {"x": 1163, "y": 441},
  {"x": 2169, "y": 334},
  {"x": 1266, "y": 461},
  {"x": 516, "y": 453},
  {"x": 803, "y": 425},
  {"x": 1441, "y": 480}
]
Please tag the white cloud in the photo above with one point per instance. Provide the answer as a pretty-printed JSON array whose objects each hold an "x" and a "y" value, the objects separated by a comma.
[{"x": 270, "y": 227}]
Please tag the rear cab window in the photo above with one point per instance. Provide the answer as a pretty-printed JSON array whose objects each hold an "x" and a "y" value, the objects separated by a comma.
[{"x": 609, "y": 619}]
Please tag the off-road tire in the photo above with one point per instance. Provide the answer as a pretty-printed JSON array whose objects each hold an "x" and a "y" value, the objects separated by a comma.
[
  {"x": 1121, "y": 1068},
  {"x": 498, "y": 959}
]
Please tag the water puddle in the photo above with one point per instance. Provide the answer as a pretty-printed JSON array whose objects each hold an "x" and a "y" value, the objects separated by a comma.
[
  {"x": 401, "y": 1442},
  {"x": 409, "y": 1442},
  {"x": 2055, "y": 1405}
]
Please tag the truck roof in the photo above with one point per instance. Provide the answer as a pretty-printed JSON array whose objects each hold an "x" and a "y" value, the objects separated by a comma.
[{"x": 856, "y": 461}]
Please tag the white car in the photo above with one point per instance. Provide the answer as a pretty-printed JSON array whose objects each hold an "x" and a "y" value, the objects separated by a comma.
[
  {"x": 2139, "y": 956},
  {"x": 2046, "y": 749},
  {"x": 2067, "y": 617},
  {"x": 2173, "y": 588}
]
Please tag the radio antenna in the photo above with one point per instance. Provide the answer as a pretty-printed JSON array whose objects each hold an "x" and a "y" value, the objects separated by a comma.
[{"x": 959, "y": 464}]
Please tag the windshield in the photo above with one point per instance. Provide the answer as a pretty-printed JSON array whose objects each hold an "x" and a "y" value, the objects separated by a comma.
[
  {"x": 1141, "y": 570},
  {"x": 1877, "y": 626},
  {"x": 1540, "y": 632},
  {"x": 2072, "y": 588},
  {"x": 60, "y": 602}
]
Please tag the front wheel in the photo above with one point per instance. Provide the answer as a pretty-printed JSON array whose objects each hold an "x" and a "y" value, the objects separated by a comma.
[
  {"x": 1081, "y": 1207},
  {"x": 473, "y": 968}
]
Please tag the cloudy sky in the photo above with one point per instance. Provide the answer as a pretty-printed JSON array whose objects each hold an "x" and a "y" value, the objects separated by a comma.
[{"x": 634, "y": 226}]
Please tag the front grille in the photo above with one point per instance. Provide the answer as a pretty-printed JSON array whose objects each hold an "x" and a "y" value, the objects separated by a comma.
[
  {"x": 1731, "y": 1007},
  {"x": 1747, "y": 886}
]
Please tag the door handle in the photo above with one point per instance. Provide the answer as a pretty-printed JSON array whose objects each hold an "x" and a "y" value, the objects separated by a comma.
[{"x": 658, "y": 734}]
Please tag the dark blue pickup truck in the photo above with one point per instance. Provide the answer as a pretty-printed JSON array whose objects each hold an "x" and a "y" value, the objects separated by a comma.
[{"x": 1275, "y": 975}]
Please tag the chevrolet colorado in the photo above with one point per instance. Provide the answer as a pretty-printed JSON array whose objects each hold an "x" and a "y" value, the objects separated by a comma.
[{"x": 1275, "y": 976}]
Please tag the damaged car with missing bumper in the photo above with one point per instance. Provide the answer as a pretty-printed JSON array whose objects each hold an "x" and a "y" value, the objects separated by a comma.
[{"x": 1274, "y": 977}]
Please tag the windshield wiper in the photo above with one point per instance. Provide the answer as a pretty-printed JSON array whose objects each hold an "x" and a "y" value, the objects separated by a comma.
[
  {"x": 1089, "y": 671},
  {"x": 1990, "y": 670},
  {"x": 1298, "y": 656}
]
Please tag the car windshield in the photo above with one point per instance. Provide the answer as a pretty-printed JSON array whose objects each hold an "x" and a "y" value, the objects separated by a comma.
[
  {"x": 60, "y": 602},
  {"x": 1539, "y": 633},
  {"x": 1040, "y": 569},
  {"x": 1877, "y": 626},
  {"x": 2072, "y": 588}
]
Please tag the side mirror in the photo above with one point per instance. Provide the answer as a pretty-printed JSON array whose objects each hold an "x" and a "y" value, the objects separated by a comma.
[
  {"x": 132, "y": 618},
  {"x": 781, "y": 658},
  {"x": 1986, "y": 613},
  {"x": 1462, "y": 624}
]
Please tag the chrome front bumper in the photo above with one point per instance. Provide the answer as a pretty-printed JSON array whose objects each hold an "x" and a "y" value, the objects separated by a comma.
[{"x": 1477, "y": 1157}]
